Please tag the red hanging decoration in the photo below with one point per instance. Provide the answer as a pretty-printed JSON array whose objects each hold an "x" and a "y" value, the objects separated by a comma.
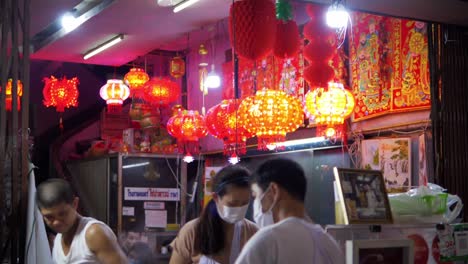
[
  {"x": 9, "y": 96},
  {"x": 252, "y": 28},
  {"x": 319, "y": 51},
  {"x": 177, "y": 67},
  {"x": 161, "y": 91},
  {"x": 60, "y": 93},
  {"x": 187, "y": 127},
  {"x": 287, "y": 42},
  {"x": 114, "y": 92},
  {"x": 136, "y": 79},
  {"x": 223, "y": 123}
]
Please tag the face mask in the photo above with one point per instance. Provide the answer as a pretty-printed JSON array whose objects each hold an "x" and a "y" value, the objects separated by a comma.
[
  {"x": 262, "y": 218},
  {"x": 232, "y": 214}
]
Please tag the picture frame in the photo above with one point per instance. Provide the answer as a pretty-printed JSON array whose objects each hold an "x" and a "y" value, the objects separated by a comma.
[
  {"x": 363, "y": 196},
  {"x": 380, "y": 251}
]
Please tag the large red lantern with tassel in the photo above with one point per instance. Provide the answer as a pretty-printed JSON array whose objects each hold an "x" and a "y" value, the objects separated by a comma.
[
  {"x": 222, "y": 121},
  {"x": 270, "y": 115},
  {"x": 136, "y": 79},
  {"x": 187, "y": 127},
  {"x": 114, "y": 92},
  {"x": 252, "y": 28},
  {"x": 9, "y": 96},
  {"x": 60, "y": 93},
  {"x": 161, "y": 91}
]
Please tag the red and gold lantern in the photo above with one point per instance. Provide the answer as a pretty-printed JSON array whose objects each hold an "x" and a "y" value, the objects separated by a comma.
[
  {"x": 114, "y": 92},
  {"x": 136, "y": 79},
  {"x": 60, "y": 93},
  {"x": 330, "y": 107},
  {"x": 187, "y": 127},
  {"x": 270, "y": 115},
  {"x": 177, "y": 67},
  {"x": 222, "y": 122},
  {"x": 9, "y": 96},
  {"x": 161, "y": 91}
]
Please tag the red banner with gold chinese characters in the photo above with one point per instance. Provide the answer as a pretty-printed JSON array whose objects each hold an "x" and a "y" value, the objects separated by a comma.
[{"x": 389, "y": 65}]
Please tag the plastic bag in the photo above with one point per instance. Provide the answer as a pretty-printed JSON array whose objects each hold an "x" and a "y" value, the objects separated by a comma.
[{"x": 428, "y": 204}]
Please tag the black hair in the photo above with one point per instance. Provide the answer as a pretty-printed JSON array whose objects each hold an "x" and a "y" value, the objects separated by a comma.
[
  {"x": 209, "y": 231},
  {"x": 286, "y": 173},
  {"x": 54, "y": 192}
]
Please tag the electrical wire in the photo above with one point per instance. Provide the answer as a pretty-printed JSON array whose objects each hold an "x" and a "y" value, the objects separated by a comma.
[{"x": 176, "y": 175}]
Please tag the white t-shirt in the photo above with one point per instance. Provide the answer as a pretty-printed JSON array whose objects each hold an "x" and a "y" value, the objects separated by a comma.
[
  {"x": 79, "y": 252},
  {"x": 292, "y": 240}
]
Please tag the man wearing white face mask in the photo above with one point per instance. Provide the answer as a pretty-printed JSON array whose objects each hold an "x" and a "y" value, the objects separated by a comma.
[
  {"x": 218, "y": 236},
  {"x": 287, "y": 235}
]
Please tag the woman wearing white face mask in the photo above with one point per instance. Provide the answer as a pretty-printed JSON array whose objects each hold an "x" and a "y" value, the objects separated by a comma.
[{"x": 221, "y": 231}]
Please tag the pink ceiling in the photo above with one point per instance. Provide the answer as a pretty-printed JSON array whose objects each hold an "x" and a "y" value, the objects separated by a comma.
[{"x": 146, "y": 27}]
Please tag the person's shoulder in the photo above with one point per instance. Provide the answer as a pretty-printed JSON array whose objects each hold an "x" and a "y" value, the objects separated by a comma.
[{"x": 98, "y": 230}]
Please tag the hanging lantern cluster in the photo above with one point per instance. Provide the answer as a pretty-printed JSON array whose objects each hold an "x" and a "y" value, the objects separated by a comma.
[
  {"x": 270, "y": 115},
  {"x": 223, "y": 123},
  {"x": 114, "y": 92},
  {"x": 319, "y": 51},
  {"x": 288, "y": 40},
  {"x": 136, "y": 79},
  {"x": 9, "y": 97},
  {"x": 177, "y": 67},
  {"x": 187, "y": 127},
  {"x": 252, "y": 28},
  {"x": 161, "y": 91},
  {"x": 60, "y": 93},
  {"x": 330, "y": 107}
]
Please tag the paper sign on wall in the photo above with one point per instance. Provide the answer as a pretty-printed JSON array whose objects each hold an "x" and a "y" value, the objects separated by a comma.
[
  {"x": 129, "y": 211},
  {"x": 156, "y": 218},
  {"x": 151, "y": 194},
  {"x": 153, "y": 205}
]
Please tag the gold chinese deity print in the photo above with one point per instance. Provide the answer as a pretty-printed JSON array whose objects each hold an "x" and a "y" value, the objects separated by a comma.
[{"x": 389, "y": 69}]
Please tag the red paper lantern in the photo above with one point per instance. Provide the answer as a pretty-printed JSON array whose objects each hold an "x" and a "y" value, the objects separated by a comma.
[
  {"x": 287, "y": 41},
  {"x": 223, "y": 123},
  {"x": 136, "y": 79},
  {"x": 252, "y": 28},
  {"x": 114, "y": 92},
  {"x": 177, "y": 67},
  {"x": 161, "y": 91},
  {"x": 187, "y": 127},
  {"x": 270, "y": 114},
  {"x": 60, "y": 93},
  {"x": 9, "y": 97}
]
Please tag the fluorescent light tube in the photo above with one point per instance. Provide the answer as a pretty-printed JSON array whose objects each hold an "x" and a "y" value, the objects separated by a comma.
[
  {"x": 135, "y": 165},
  {"x": 103, "y": 47},
  {"x": 182, "y": 5},
  {"x": 296, "y": 142}
]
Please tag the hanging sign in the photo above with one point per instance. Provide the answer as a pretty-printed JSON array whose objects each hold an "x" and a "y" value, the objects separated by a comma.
[{"x": 151, "y": 194}]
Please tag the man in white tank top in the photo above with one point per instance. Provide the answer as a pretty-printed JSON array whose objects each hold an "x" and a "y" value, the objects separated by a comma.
[{"x": 79, "y": 239}]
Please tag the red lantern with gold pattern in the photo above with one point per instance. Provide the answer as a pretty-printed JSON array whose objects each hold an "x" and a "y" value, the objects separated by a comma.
[
  {"x": 161, "y": 91},
  {"x": 114, "y": 92},
  {"x": 187, "y": 127},
  {"x": 60, "y": 93},
  {"x": 177, "y": 67},
  {"x": 270, "y": 115},
  {"x": 9, "y": 97},
  {"x": 223, "y": 123},
  {"x": 136, "y": 79}
]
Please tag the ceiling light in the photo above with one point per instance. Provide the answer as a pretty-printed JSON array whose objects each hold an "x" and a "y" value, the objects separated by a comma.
[
  {"x": 184, "y": 4},
  {"x": 168, "y": 2},
  {"x": 135, "y": 165},
  {"x": 234, "y": 159},
  {"x": 295, "y": 142},
  {"x": 212, "y": 80},
  {"x": 103, "y": 46},
  {"x": 69, "y": 22},
  {"x": 337, "y": 16},
  {"x": 188, "y": 158}
]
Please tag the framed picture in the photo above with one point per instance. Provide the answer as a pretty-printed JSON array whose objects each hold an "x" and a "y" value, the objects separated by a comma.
[
  {"x": 379, "y": 251},
  {"x": 363, "y": 196}
]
